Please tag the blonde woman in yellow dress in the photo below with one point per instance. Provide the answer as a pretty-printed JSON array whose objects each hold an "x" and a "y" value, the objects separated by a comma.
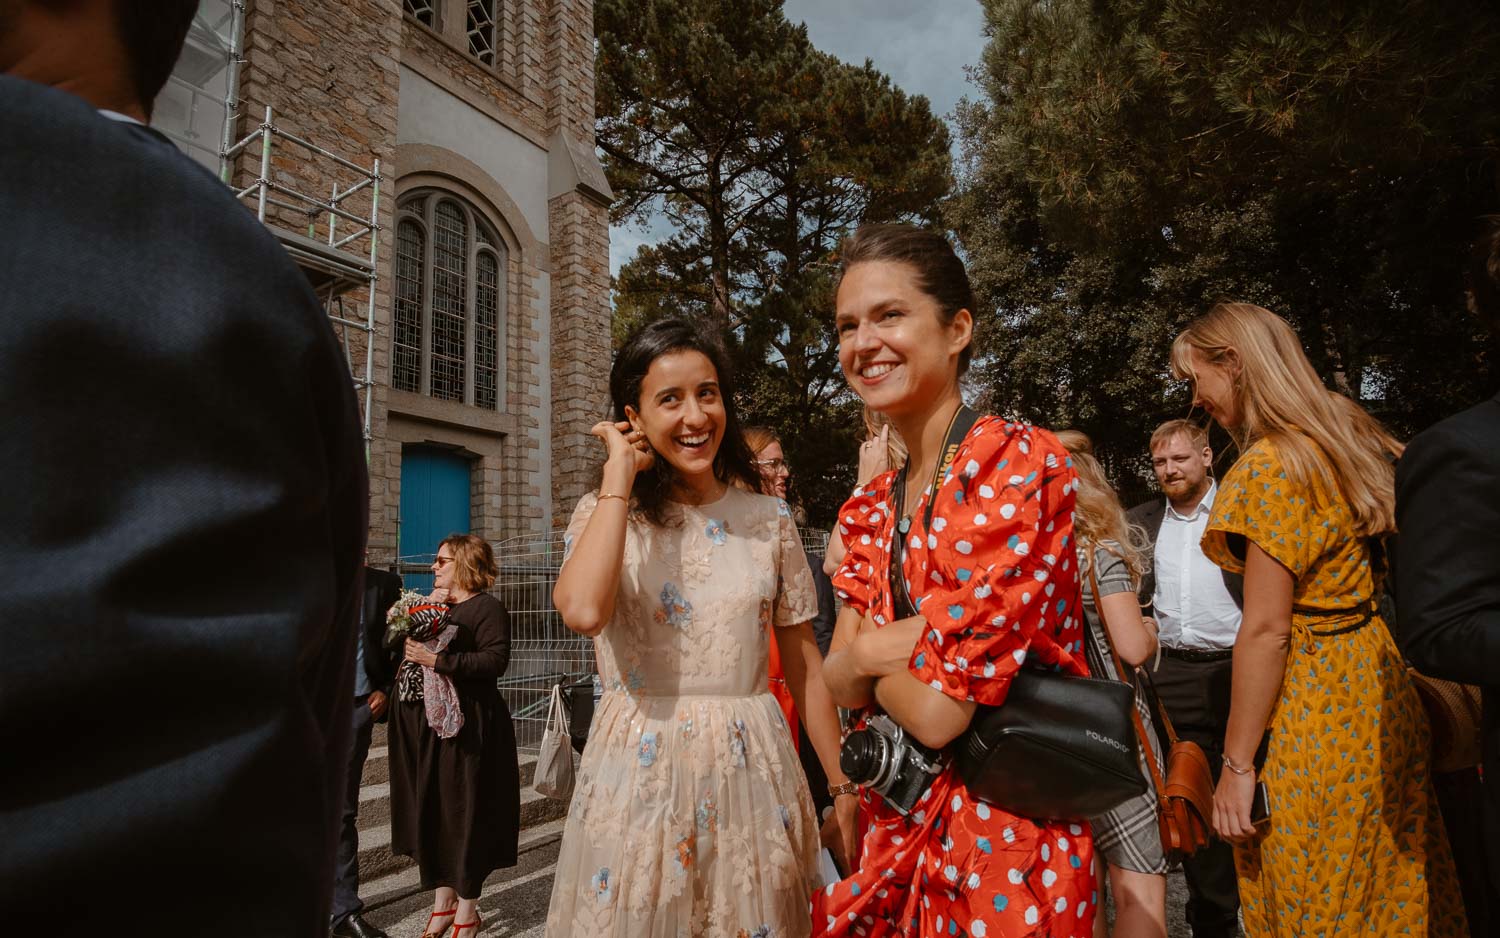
[{"x": 1354, "y": 844}]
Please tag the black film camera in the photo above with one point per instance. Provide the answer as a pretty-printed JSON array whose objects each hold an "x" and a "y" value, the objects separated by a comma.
[{"x": 882, "y": 757}]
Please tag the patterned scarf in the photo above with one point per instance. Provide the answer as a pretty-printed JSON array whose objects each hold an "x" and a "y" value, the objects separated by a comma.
[{"x": 414, "y": 682}]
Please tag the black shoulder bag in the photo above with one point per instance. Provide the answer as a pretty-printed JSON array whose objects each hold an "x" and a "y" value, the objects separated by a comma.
[{"x": 1060, "y": 746}]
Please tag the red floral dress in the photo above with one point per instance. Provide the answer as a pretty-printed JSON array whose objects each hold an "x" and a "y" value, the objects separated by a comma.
[{"x": 997, "y": 580}]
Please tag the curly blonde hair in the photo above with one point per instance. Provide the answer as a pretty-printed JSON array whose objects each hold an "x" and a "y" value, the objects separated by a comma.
[{"x": 1098, "y": 515}]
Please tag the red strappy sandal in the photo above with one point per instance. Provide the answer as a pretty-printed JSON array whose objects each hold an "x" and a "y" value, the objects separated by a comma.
[
  {"x": 429, "y": 933},
  {"x": 477, "y": 924}
]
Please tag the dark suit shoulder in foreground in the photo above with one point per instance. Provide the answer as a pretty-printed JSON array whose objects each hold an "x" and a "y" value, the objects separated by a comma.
[
  {"x": 185, "y": 507},
  {"x": 1448, "y": 553}
]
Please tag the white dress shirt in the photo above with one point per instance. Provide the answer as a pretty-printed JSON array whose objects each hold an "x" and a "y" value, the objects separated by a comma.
[
  {"x": 1194, "y": 609},
  {"x": 117, "y": 116}
]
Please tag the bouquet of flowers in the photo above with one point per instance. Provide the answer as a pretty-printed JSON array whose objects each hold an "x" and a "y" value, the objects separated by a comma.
[{"x": 398, "y": 619}]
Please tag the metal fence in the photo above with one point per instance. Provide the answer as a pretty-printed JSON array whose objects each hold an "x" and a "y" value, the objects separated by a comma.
[{"x": 543, "y": 652}]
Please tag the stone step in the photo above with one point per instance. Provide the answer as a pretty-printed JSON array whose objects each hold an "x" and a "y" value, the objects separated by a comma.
[
  {"x": 377, "y": 767},
  {"x": 513, "y": 901},
  {"x": 383, "y": 890},
  {"x": 375, "y": 856}
]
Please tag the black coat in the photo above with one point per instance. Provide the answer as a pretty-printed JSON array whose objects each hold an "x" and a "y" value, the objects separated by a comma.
[
  {"x": 185, "y": 510},
  {"x": 456, "y": 803},
  {"x": 382, "y": 589},
  {"x": 1448, "y": 570},
  {"x": 1149, "y": 516}
]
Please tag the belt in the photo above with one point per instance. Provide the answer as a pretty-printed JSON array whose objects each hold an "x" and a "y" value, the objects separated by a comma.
[
  {"x": 1365, "y": 611},
  {"x": 1198, "y": 654}
]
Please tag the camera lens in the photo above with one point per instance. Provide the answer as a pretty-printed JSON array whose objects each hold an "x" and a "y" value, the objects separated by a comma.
[{"x": 860, "y": 757}]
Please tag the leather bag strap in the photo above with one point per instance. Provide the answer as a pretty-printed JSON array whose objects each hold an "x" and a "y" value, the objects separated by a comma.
[
  {"x": 1157, "y": 779},
  {"x": 1161, "y": 711}
]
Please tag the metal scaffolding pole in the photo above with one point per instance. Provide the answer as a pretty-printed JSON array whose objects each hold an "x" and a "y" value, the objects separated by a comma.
[
  {"x": 332, "y": 269},
  {"x": 232, "y": 85}
]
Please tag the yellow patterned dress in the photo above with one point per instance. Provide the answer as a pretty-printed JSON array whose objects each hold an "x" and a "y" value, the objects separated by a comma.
[{"x": 1355, "y": 845}]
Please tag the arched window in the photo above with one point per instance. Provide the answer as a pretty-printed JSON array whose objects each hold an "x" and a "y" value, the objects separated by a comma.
[
  {"x": 449, "y": 301},
  {"x": 423, "y": 11}
]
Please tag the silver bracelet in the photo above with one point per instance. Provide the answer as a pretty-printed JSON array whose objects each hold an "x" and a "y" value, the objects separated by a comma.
[{"x": 1236, "y": 769}]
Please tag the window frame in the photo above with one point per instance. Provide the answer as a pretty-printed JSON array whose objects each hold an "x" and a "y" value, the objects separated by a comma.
[
  {"x": 438, "y": 17},
  {"x": 498, "y": 248},
  {"x": 450, "y": 23}
]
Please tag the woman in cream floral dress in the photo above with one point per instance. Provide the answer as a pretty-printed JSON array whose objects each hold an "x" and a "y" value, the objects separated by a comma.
[{"x": 690, "y": 815}]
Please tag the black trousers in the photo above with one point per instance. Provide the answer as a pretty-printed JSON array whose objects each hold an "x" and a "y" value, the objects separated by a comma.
[
  {"x": 1460, "y": 796},
  {"x": 346, "y": 901},
  {"x": 1196, "y": 697}
]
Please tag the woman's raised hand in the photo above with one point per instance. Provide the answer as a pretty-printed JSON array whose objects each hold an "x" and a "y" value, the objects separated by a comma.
[
  {"x": 874, "y": 455},
  {"x": 626, "y": 447}
]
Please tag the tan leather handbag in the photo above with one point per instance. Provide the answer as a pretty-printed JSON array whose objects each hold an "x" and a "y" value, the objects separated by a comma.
[
  {"x": 1455, "y": 713},
  {"x": 1185, "y": 798}
]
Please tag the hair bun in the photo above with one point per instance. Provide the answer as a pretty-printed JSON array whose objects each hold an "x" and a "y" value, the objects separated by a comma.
[{"x": 1076, "y": 442}]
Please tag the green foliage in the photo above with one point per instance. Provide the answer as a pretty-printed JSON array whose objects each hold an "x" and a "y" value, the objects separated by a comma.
[
  {"x": 762, "y": 153},
  {"x": 1133, "y": 162}
]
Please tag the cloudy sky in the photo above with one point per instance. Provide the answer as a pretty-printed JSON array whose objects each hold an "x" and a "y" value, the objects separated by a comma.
[{"x": 922, "y": 44}]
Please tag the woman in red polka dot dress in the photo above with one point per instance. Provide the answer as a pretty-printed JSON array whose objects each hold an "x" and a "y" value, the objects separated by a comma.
[{"x": 995, "y": 585}]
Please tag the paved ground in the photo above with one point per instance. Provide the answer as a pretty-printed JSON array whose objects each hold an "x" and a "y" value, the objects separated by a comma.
[{"x": 514, "y": 902}]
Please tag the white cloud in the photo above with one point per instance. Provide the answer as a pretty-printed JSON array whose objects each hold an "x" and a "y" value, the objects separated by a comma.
[{"x": 922, "y": 46}]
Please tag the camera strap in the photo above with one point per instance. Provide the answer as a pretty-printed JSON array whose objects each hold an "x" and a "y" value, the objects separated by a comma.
[{"x": 963, "y": 421}]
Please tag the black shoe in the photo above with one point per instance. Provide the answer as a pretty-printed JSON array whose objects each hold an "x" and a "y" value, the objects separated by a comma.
[{"x": 356, "y": 927}]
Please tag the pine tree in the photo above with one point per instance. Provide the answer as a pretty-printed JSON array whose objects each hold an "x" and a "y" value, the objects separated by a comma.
[
  {"x": 1132, "y": 162},
  {"x": 763, "y": 153}
]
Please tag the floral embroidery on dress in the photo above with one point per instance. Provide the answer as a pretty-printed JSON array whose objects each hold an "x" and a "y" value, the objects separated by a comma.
[
  {"x": 717, "y": 531},
  {"x": 687, "y": 846},
  {"x": 697, "y": 567},
  {"x": 602, "y": 889},
  {"x": 676, "y": 833},
  {"x": 675, "y": 610},
  {"x": 737, "y": 743},
  {"x": 708, "y": 815},
  {"x": 782, "y": 509}
]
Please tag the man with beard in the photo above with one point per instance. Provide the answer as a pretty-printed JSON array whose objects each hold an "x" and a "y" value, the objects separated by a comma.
[{"x": 1198, "y": 607}]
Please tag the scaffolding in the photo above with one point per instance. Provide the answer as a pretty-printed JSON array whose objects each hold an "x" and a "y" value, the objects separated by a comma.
[
  {"x": 200, "y": 103},
  {"x": 336, "y": 261}
]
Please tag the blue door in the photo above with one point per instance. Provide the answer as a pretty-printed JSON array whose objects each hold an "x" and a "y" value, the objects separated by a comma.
[{"x": 434, "y": 504}]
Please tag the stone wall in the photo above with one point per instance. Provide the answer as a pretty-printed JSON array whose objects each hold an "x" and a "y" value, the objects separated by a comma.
[
  {"x": 329, "y": 70},
  {"x": 580, "y": 345},
  {"x": 332, "y": 72},
  {"x": 579, "y": 213}
]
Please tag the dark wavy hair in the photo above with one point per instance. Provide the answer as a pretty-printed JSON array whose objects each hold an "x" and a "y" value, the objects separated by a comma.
[{"x": 733, "y": 463}]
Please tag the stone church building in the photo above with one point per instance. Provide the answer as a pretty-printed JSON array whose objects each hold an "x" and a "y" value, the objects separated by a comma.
[{"x": 478, "y": 327}]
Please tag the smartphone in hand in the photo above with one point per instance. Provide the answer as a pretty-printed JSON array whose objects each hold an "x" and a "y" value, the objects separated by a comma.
[{"x": 1260, "y": 807}]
